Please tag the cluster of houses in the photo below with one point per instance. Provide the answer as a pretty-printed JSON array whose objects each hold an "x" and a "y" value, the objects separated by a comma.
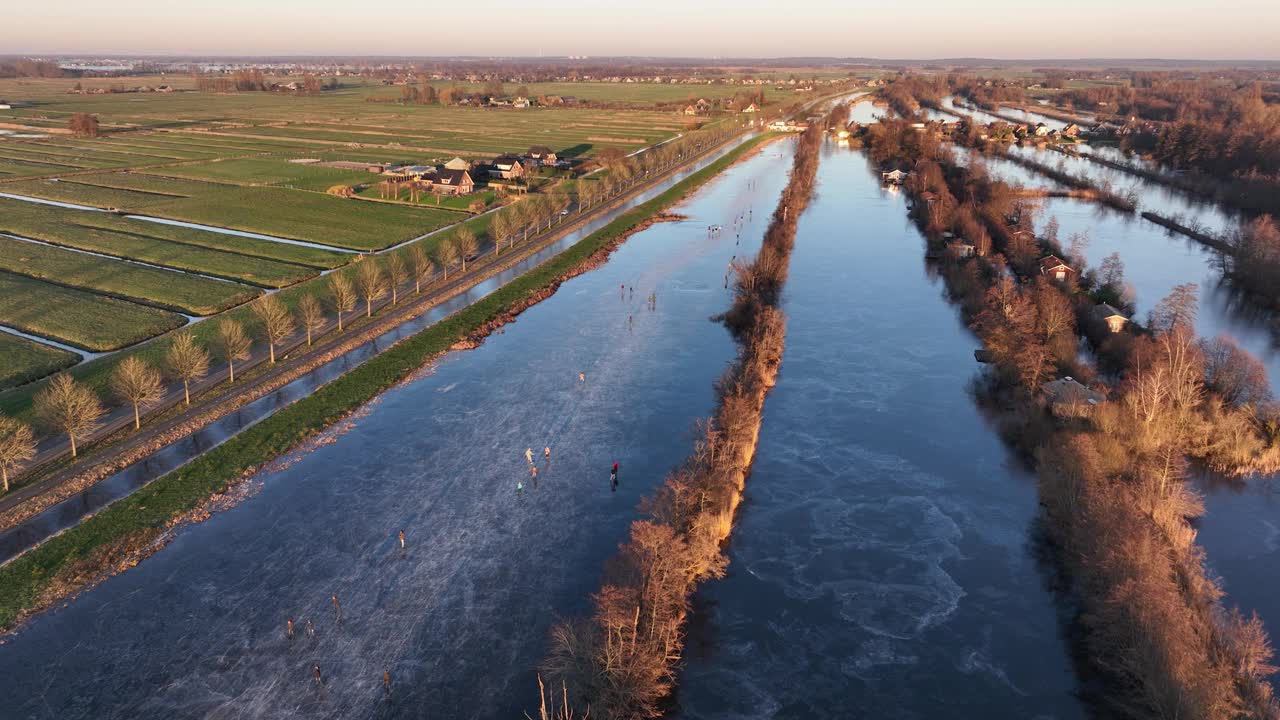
[
  {"x": 1054, "y": 268},
  {"x": 77, "y": 90},
  {"x": 1067, "y": 397},
  {"x": 459, "y": 177},
  {"x": 788, "y": 126},
  {"x": 1040, "y": 130},
  {"x": 703, "y": 107}
]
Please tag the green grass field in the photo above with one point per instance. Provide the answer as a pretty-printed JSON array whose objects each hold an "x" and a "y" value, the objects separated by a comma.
[
  {"x": 25, "y": 360},
  {"x": 78, "y": 318},
  {"x": 191, "y": 294},
  {"x": 145, "y": 241},
  {"x": 268, "y": 171}
]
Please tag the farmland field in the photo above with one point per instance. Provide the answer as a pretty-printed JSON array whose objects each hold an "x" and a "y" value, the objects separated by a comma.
[
  {"x": 148, "y": 242},
  {"x": 268, "y": 171},
  {"x": 164, "y": 288},
  {"x": 25, "y": 360},
  {"x": 78, "y": 318},
  {"x": 226, "y": 160},
  {"x": 281, "y": 212}
]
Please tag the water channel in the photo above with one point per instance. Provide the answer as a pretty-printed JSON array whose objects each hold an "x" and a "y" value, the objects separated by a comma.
[
  {"x": 883, "y": 563},
  {"x": 459, "y": 620}
]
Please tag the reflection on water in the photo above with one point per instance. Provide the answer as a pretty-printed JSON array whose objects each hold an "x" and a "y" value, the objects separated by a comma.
[{"x": 880, "y": 566}]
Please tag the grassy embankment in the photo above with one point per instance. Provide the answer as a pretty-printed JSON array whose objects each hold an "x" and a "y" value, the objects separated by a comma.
[{"x": 77, "y": 555}]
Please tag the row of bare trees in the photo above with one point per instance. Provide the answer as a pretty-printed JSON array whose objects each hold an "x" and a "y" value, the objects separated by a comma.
[
  {"x": 620, "y": 662},
  {"x": 68, "y": 407}
]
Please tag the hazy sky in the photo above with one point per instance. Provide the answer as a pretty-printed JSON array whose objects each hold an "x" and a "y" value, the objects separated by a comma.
[{"x": 1231, "y": 29}]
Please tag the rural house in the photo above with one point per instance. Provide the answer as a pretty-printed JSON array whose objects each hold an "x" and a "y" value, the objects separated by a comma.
[
  {"x": 1114, "y": 319},
  {"x": 1066, "y": 397},
  {"x": 453, "y": 182},
  {"x": 507, "y": 167},
  {"x": 542, "y": 155},
  {"x": 457, "y": 164},
  {"x": 1052, "y": 267},
  {"x": 690, "y": 110},
  {"x": 894, "y": 177},
  {"x": 751, "y": 108}
]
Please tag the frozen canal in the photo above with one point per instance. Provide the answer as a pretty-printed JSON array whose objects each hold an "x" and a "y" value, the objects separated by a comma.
[
  {"x": 459, "y": 619},
  {"x": 883, "y": 564}
]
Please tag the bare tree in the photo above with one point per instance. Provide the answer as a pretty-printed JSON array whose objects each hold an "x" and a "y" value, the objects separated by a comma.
[
  {"x": 277, "y": 323},
  {"x": 467, "y": 244},
  {"x": 67, "y": 406},
  {"x": 446, "y": 255},
  {"x": 187, "y": 361},
  {"x": 422, "y": 266},
  {"x": 138, "y": 384},
  {"x": 397, "y": 273},
  {"x": 311, "y": 313},
  {"x": 83, "y": 124},
  {"x": 371, "y": 283},
  {"x": 1178, "y": 310},
  {"x": 344, "y": 295},
  {"x": 501, "y": 227},
  {"x": 17, "y": 445},
  {"x": 234, "y": 344}
]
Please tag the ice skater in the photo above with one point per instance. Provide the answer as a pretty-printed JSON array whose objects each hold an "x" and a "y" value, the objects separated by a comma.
[
  {"x": 582, "y": 377},
  {"x": 546, "y": 452},
  {"x": 311, "y": 629},
  {"x": 528, "y": 455},
  {"x": 613, "y": 477},
  {"x": 315, "y": 670},
  {"x": 386, "y": 681},
  {"x": 337, "y": 606},
  {"x": 519, "y": 486},
  {"x": 288, "y": 628},
  {"x": 401, "y": 542}
]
